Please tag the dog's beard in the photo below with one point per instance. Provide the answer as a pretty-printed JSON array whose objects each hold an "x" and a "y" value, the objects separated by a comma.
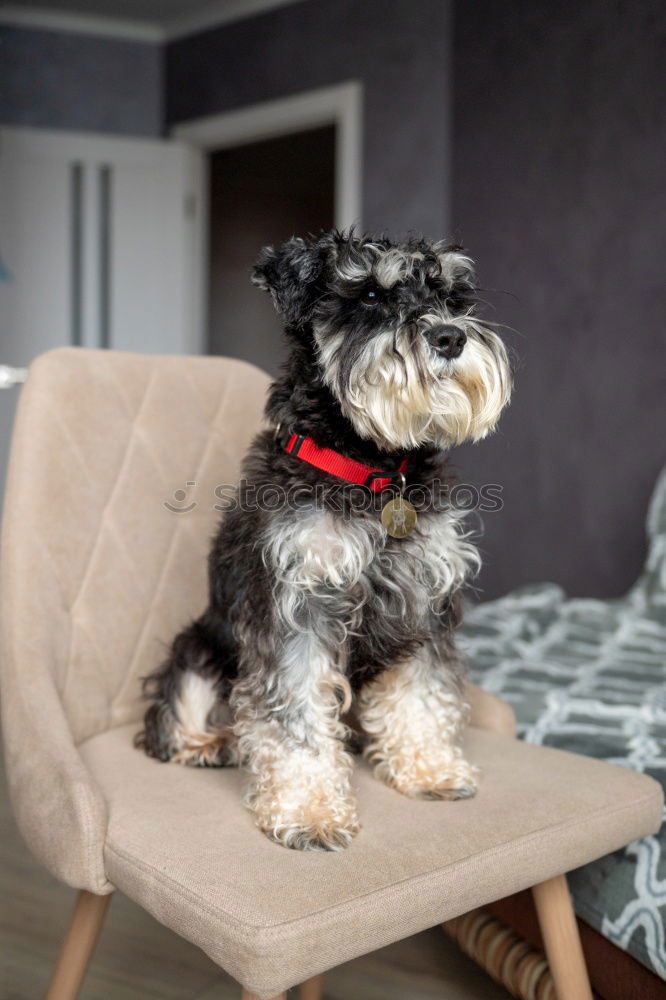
[{"x": 398, "y": 392}]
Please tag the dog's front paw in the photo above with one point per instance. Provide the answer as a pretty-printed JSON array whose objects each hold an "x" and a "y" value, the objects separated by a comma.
[
  {"x": 431, "y": 774},
  {"x": 315, "y": 823},
  {"x": 325, "y": 834},
  {"x": 310, "y": 826}
]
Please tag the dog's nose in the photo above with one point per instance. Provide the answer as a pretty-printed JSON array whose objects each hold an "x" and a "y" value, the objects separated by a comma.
[{"x": 448, "y": 341}]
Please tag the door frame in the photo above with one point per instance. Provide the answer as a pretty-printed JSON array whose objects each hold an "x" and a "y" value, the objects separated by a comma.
[{"x": 340, "y": 105}]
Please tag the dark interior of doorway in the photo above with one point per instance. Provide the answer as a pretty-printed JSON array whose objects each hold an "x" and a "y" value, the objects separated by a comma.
[{"x": 261, "y": 193}]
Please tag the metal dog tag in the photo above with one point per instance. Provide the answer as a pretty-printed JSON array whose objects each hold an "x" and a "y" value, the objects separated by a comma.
[{"x": 399, "y": 517}]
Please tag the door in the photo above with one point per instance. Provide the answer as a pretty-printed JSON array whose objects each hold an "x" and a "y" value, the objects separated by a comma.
[
  {"x": 261, "y": 193},
  {"x": 99, "y": 239}
]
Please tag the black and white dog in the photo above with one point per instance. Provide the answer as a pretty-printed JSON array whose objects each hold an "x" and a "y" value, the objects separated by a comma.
[{"x": 348, "y": 591}]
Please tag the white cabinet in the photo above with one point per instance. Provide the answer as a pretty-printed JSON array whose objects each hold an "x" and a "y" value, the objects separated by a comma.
[
  {"x": 100, "y": 238},
  {"x": 101, "y": 241}
]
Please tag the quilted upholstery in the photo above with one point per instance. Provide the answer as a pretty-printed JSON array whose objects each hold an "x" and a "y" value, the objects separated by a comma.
[
  {"x": 97, "y": 573},
  {"x": 121, "y": 434}
]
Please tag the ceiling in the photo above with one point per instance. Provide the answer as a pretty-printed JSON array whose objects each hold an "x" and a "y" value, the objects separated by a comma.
[
  {"x": 157, "y": 11},
  {"x": 168, "y": 17}
]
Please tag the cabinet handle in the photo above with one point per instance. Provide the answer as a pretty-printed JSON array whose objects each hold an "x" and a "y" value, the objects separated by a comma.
[
  {"x": 76, "y": 252},
  {"x": 105, "y": 210}
]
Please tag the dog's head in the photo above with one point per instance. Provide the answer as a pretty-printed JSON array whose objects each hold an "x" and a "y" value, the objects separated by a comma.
[{"x": 393, "y": 330}]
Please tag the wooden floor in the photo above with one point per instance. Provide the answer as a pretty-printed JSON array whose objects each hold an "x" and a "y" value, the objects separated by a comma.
[{"x": 138, "y": 959}]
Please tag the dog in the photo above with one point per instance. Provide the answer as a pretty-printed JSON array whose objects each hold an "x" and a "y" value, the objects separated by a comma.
[{"x": 349, "y": 591}]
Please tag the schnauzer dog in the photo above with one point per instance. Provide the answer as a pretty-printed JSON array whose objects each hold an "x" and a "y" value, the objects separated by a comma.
[{"x": 328, "y": 601}]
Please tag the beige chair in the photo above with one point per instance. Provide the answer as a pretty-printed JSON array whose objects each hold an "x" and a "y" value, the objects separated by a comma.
[{"x": 109, "y": 510}]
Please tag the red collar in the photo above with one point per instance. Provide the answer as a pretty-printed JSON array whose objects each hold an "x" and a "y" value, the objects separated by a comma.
[{"x": 338, "y": 465}]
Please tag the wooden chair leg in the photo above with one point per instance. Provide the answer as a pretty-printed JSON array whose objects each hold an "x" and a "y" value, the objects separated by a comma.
[
  {"x": 251, "y": 996},
  {"x": 77, "y": 948},
  {"x": 559, "y": 930},
  {"x": 312, "y": 989}
]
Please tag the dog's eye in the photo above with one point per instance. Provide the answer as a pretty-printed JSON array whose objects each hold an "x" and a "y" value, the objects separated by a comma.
[
  {"x": 370, "y": 296},
  {"x": 457, "y": 303}
]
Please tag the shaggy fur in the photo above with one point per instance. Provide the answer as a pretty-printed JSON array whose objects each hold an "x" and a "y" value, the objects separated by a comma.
[{"x": 312, "y": 605}]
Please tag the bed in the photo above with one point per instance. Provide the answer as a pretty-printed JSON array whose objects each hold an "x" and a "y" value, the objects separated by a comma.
[{"x": 590, "y": 676}]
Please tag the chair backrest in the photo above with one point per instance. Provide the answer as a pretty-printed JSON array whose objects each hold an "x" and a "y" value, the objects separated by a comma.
[{"x": 109, "y": 512}]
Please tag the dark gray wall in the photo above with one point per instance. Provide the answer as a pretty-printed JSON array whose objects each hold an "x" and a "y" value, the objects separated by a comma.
[
  {"x": 559, "y": 190},
  {"x": 398, "y": 48},
  {"x": 559, "y": 139},
  {"x": 61, "y": 80}
]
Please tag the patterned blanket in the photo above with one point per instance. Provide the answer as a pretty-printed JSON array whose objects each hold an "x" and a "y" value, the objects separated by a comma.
[{"x": 590, "y": 676}]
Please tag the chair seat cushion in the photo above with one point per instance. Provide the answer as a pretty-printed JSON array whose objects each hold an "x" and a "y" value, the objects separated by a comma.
[{"x": 180, "y": 843}]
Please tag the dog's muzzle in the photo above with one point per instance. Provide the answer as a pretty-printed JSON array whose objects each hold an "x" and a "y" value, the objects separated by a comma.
[{"x": 447, "y": 341}]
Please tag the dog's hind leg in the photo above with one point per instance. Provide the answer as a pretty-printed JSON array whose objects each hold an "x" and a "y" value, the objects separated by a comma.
[{"x": 185, "y": 722}]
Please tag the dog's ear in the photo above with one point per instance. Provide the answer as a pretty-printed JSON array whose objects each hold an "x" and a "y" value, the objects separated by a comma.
[{"x": 290, "y": 273}]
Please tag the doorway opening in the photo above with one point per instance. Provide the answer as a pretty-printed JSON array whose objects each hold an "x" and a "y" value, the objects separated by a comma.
[{"x": 261, "y": 193}]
